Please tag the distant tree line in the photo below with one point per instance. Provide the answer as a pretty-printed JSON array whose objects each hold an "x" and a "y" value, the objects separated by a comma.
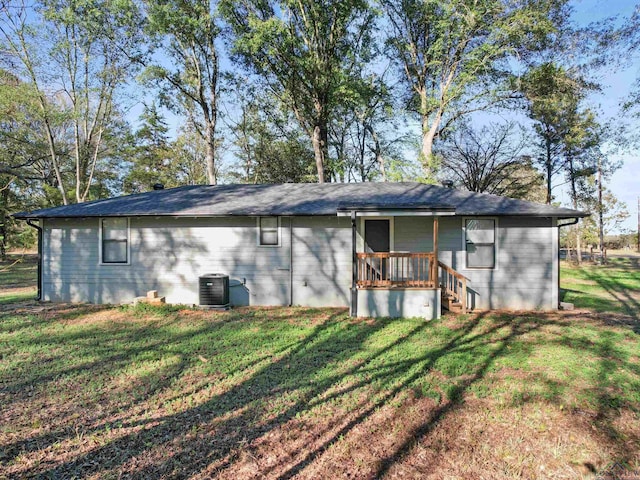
[{"x": 307, "y": 91}]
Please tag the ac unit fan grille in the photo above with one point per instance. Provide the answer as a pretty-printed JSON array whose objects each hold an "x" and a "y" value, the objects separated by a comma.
[{"x": 214, "y": 290}]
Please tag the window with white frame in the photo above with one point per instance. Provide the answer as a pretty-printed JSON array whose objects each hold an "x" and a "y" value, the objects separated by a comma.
[
  {"x": 268, "y": 234},
  {"x": 115, "y": 240},
  {"x": 480, "y": 242}
]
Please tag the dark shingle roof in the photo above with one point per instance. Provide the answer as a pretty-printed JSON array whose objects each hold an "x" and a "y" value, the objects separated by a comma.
[{"x": 300, "y": 199}]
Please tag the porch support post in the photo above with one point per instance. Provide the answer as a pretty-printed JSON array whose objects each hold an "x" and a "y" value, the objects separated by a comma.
[
  {"x": 354, "y": 267},
  {"x": 434, "y": 275}
]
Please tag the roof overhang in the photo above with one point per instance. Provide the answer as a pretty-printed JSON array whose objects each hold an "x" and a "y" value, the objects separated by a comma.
[
  {"x": 395, "y": 213},
  {"x": 407, "y": 210}
]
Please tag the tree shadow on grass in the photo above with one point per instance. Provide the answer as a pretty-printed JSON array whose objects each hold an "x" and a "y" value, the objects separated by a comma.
[
  {"x": 507, "y": 331},
  {"x": 287, "y": 374},
  {"x": 36, "y": 314},
  {"x": 607, "y": 392},
  {"x": 333, "y": 360},
  {"x": 613, "y": 278},
  {"x": 110, "y": 351},
  {"x": 608, "y": 402}
]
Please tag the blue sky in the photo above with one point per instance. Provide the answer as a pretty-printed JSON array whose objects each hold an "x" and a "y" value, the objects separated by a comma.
[{"x": 617, "y": 84}]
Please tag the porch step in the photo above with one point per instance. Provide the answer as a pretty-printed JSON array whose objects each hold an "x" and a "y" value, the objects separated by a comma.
[
  {"x": 455, "y": 307},
  {"x": 451, "y": 305}
]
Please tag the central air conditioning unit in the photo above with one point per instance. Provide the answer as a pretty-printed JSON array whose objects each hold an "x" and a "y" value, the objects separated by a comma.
[{"x": 214, "y": 291}]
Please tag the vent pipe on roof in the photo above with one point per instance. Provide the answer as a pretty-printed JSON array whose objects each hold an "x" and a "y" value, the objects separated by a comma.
[
  {"x": 158, "y": 186},
  {"x": 447, "y": 183}
]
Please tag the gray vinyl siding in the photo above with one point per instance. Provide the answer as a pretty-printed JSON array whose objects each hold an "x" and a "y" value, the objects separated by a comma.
[
  {"x": 524, "y": 277},
  {"x": 321, "y": 261},
  {"x": 169, "y": 254},
  {"x": 413, "y": 234}
]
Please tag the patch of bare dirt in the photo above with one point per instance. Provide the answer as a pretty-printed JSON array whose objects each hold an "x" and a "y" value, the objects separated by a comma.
[
  {"x": 610, "y": 319},
  {"x": 17, "y": 290},
  {"x": 52, "y": 310},
  {"x": 422, "y": 439}
]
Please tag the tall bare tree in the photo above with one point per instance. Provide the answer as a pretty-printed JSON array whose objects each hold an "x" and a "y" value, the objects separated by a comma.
[{"x": 490, "y": 160}]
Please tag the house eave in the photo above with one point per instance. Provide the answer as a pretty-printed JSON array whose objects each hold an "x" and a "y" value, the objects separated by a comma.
[
  {"x": 362, "y": 212},
  {"x": 396, "y": 210},
  {"x": 395, "y": 213}
]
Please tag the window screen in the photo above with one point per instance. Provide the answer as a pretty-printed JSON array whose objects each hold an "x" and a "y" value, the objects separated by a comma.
[
  {"x": 268, "y": 230},
  {"x": 115, "y": 237},
  {"x": 481, "y": 243}
]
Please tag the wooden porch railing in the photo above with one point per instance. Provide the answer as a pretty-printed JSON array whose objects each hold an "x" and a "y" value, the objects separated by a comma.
[
  {"x": 454, "y": 286},
  {"x": 393, "y": 269}
]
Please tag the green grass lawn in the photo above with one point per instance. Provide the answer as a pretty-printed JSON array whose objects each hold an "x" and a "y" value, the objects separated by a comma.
[
  {"x": 164, "y": 392},
  {"x": 18, "y": 275},
  {"x": 614, "y": 287}
]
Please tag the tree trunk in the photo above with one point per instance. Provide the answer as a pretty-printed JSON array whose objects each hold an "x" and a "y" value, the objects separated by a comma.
[
  {"x": 426, "y": 153},
  {"x": 211, "y": 115},
  {"x": 429, "y": 133},
  {"x": 549, "y": 168},
  {"x": 210, "y": 142},
  {"x": 76, "y": 154},
  {"x": 54, "y": 157},
  {"x": 3, "y": 223},
  {"x": 575, "y": 207},
  {"x": 362, "y": 147},
  {"x": 574, "y": 202},
  {"x": 319, "y": 140},
  {"x": 600, "y": 214},
  {"x": 578, "y": 245},
  {"x": 378, "y": 153}
]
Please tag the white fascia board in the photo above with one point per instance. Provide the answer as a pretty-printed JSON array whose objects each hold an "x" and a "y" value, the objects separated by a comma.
[{"x": 397, "y": 213}]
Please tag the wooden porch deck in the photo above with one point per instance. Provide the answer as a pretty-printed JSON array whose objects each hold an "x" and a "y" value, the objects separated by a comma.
[{"x": 412, "y": 270}]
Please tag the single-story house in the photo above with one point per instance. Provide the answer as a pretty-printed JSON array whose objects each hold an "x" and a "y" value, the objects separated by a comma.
[{"x": 382, "y": 249}]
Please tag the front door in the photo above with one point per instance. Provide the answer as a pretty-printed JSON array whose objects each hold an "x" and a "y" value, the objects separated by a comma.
[{"x": 377, "y": 238}]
